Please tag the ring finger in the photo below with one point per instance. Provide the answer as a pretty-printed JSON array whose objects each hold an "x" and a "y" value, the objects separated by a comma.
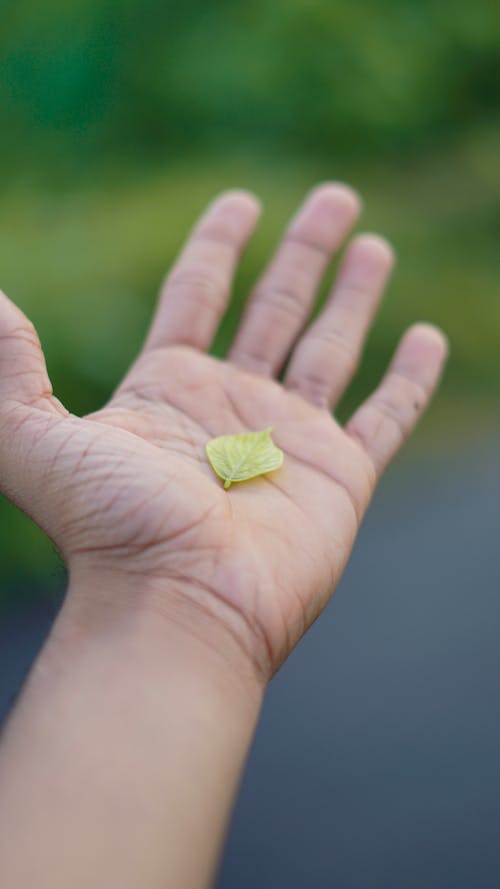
[{"x": 327, "y": 356}]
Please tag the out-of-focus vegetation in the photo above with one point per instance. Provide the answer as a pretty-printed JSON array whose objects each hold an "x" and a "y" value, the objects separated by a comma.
[{"x": 119, "y": 120}]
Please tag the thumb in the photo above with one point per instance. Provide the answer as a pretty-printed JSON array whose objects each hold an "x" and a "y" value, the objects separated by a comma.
[
  {"x": 23, "y": 373},
  {"x": 27, "y": 406}
]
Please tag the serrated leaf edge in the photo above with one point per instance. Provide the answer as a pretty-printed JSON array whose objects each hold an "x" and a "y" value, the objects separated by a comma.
[{"x": 230, "y": 481}]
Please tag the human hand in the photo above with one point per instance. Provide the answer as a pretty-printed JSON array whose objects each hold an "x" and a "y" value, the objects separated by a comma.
[{"x": 127, "y": 491}]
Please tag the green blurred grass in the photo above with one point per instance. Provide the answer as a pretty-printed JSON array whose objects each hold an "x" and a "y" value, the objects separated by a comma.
[{"x": 85, "y": 261}]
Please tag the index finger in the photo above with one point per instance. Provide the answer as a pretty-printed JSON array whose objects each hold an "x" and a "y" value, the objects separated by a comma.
[{"x": 197, "y": 289}]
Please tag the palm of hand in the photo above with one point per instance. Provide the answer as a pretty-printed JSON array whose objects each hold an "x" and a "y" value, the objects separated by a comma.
[
  {"x": 130, "y": 486},
  {"x": 272, "y": 548}
]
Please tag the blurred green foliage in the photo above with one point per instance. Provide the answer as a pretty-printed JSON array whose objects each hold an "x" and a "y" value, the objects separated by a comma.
[
  {"x": 153, "y": 79},
  {"x": 119, "y": 120}
]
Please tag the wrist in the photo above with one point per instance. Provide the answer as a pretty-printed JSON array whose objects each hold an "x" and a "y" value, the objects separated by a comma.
[
  {"x": 140, "y": 725},
  {"x": 163, "y": 617}
]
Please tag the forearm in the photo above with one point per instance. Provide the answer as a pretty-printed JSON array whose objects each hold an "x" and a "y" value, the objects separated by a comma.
[{"x": 119, "y": 765}]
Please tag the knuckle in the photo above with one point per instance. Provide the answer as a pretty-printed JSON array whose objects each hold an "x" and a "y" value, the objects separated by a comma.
[
  {"x": 304, "y": 242},
  {"x": 192, "y": 278},
  {"x": 392, "y": 411},
  {"x": 220, "y": 234},
  {"x": 198, "y": 285},
  {"x": 284, "y": 299},
  {"x": 25, "y": 333},
  {"x": 312, "y": 386},
  {"x": 337, "y": 340},
  {"x": 252, "y": 358}
]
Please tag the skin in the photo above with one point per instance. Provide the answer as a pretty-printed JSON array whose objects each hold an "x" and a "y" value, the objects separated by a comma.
[{"x": 157, "y": 550}]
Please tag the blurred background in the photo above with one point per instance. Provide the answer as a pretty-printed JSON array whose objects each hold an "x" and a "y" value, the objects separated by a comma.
[{"x": 375, "y": 761}]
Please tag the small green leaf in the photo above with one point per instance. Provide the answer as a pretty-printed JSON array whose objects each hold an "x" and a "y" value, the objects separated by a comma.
[{"x": 236, "y": 458}]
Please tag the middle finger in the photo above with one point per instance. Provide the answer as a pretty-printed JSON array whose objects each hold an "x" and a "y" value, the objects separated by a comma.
[{"x": 281, "y": 301}]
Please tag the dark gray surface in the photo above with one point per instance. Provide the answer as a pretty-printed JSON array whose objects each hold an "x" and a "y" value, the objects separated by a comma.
[
  {"x": 377, "y": 759},
  {"x": 23, "y": 628}
]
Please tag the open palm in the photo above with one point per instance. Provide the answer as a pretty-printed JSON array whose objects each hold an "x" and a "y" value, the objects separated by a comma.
[{"x": 129, "y": 488}]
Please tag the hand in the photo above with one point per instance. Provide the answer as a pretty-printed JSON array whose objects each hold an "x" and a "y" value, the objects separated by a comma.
[{"x": 128, "y": 489}]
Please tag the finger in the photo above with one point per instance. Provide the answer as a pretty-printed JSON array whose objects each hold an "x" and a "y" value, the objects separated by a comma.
[
  {"x": 27, "y": 407},
  {"x": 196, "y": 291},
  {"x": 282, "y": 299},
  {"x": 326, "y": 357},
  {"x": 23, "y": 372},
  {"x": 385, "y": 420}
]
